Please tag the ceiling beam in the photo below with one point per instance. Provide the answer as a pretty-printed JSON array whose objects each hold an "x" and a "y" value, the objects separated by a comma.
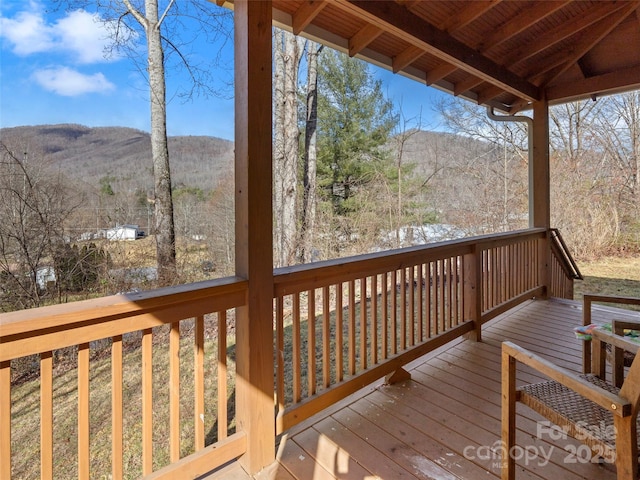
[
  {"x": 305, "y": 14},
  {"x": 362, "y": 38},
  {"x": 440, "y": 72},
  {"x": 527, "y": 16},
  {"x": 400, "y": 22},
  {"x": 467, "y": 15},
  {"x": 587, "y": 40},
  {"x": 562, "y": 32},
  {"x": 466, "y": 85},
  {"x": 509, "y": 29},
  {"x": 406, "y": 57},
  {"x": 609, "y": 83},
  {"x": 488, "y": 93}
]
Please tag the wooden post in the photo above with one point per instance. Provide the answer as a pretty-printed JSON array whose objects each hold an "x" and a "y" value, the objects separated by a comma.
[
  {"x": 508, "y": 415},
  {"x": 472, "y": 296},
  {"x": 253, "y": 228},
  {"x": 539, "y": 189}
]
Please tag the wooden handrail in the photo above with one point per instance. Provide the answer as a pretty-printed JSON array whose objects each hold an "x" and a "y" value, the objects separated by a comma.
[
  {"x": 351, "y": 321},
  {"x": 562, "y": 251}
]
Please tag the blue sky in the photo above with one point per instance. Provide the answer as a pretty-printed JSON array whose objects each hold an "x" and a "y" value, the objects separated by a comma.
[{"x": 53, "y": 69}]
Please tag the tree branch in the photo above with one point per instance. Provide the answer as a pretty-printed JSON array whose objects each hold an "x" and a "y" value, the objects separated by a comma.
[
  {"x": 164, "y": 14},
  {"x": 136, "y": 14}
]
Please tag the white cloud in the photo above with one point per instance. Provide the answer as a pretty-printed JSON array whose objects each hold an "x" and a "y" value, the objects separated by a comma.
[
  {"x": 80, "y": 34},
  {"x": 84, "y": 34},
  {"x": 27, "y": 33},
  {"x": 70, "y": 83}
]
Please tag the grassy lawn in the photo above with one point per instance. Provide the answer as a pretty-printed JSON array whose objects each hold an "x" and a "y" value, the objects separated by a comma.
[{"x": 610, "y": 276}]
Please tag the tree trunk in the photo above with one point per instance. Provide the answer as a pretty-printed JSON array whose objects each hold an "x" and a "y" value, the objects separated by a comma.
[
  {"x": 310, "y": 156},
  {"x": 286, "y": 155},
  {"x": 278, "y": 144},
  {"x": 164, "y": 226}
]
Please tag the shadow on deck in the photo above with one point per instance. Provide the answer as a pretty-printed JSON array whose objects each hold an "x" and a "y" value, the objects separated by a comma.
[{"x": 444, "y": 423}]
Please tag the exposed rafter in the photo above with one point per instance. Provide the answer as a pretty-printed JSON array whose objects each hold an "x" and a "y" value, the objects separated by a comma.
[
  {"x": 562, "y": 47},
  {"x": 364, "y": 37},
  {"x": 468, "y": 14},
  {"x": 587, "y": 41},
  {"x": 440, "y": 72},
  {"x": 406, "y": 57},
  {"x": 306, "y": 13},
  {"x": 599, "y": 85},
  {"x": 509, "y": 29},
  {"x": 466, "y": 85},
  {"x": 562, "y": 32},
  {"x": 401, "y": 22},
  {"x": 519, "y": 23}
]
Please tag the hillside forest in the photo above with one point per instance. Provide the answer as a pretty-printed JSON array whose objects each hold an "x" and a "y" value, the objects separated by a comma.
[{"x": 361, "y": 177}]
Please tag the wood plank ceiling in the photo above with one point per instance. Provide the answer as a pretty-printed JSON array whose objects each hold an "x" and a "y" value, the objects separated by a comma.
[{"x": 502, "y": 53}]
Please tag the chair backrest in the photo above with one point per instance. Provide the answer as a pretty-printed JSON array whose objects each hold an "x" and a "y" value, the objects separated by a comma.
[{"x": 631, "y": 387}]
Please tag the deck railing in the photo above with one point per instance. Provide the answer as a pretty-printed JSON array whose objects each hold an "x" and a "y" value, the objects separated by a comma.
[
  {"x": 344, "y": 323},
  {"x": 338, "y": 326},
  {"x": 135, "y": 346}
]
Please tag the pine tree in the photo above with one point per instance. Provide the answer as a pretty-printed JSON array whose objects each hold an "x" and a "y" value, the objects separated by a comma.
[{"x": 355, "y": 122}]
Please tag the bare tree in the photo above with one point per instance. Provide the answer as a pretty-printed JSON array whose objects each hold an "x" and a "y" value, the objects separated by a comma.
[
  {"x": 485, "y": 189},
  {"x": 34, "y": 205},
  {"x": 163, "y": 31},
  {"x": 618, "y": 131},
  {"x": 307, "y": 232},
  {"x": 287, "y": 53},
  {"x": 406, "y": 129}
]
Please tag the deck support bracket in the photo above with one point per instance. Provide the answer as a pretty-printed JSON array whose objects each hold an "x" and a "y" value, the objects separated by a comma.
[{"x": 400, "y": 375}]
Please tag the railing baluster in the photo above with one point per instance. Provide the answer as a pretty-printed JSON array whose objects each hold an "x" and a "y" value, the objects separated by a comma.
[
  {"x": 311, "y": 341},
  {"x": 403, "y": 309},
  {"x": 339, "y": 333},
  {"x": 198, "y": 383},
  {"x": 485, "y": 280},
  {"x": 5, "y": 419},
  {"x": 394, "y": 312},
  {"x": 374, "y": 319},
  {"x": 457, "y": 289},
  {"x": 280, "y": 376},
  {"x": 147, "y": 401},
  {"x": 420, "y": 304},
  {"x": 352, "y": 327},
  {"x": 223, "y": 421},
  {"x": 297, "y": 349},
  {"x": 174, "y": 392},
  {"x": 363, "y": 323},
  {"x": 384, "y": 340},
  {"x": 428, "y": 288},
  {"x": 442, "y": 289},
  {"x": 46, "y": 415},
  {"x": 437, "y": 273},
  {"x": 83, "y": 411},
  {"x": 412, "y": 306},
  {"x": 326, "y": 338},
  {"x": 116, "y": 406},
  {"x": 450, "y": 280}
]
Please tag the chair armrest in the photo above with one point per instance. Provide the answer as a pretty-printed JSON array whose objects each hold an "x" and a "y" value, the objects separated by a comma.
[
  {"x": 616, "y": 340},
  {"x": 618, "y": 326},
  {"x": 588, "y": 297},
  {"x": 614, "y": 403}
]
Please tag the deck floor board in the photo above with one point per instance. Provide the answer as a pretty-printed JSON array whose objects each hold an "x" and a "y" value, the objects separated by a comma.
[{"x": 444, "y": 421}]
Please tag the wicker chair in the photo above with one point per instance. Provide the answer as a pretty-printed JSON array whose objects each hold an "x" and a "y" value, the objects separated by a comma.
[
  {"x": 586, "y": 406},
  {"x": 624, "y": 359}
]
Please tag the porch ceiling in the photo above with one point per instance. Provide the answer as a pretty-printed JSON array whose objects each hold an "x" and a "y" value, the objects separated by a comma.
[{"x": 500, "y": 53}]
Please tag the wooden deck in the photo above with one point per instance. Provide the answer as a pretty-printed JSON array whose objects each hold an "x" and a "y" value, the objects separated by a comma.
[{"x": 444, "y": 423}]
